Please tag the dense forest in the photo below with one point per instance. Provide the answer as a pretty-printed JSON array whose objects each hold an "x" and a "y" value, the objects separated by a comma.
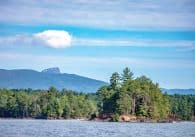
[
  {"x": 45, "y": 104},
  {"x": 126, "y": 95}
]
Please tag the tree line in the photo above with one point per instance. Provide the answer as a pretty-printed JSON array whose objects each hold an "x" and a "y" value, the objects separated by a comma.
[
  {"x": 125, "y": 95},
  {"x": 182, "y": 107},
  {"x": 45, "y": 104}
]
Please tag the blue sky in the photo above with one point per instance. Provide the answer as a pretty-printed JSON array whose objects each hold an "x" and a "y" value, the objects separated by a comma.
[{"x": 96, "y": 38}]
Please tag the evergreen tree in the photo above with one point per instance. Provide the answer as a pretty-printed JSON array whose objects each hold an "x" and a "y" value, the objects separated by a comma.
[
  {"x": 115, "y": 81},
  {"x": 127, "y": 75}
]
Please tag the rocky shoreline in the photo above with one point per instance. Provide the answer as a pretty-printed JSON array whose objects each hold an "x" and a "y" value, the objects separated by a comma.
[{"x": 133, "y": 119}]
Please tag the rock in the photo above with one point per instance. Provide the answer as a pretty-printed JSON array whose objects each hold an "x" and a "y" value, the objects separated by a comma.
[
  {"x": 54, "y": 70},
  {"x": 127, "y": 118}
]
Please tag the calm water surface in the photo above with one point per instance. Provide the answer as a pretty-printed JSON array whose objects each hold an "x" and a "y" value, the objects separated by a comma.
[{"x": 75, "y": 128}]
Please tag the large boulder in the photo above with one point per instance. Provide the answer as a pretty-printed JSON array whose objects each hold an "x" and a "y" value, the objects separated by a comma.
[{"x": 127, "y": 118}]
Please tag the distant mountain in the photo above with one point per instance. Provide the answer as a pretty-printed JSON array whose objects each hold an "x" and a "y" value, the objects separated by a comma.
[
  {"x": 25, "y": 78},
  {"x": 179, "y": 91}
]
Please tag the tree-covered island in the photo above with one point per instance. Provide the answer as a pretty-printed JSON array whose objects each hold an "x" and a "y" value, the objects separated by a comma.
[{"x": 126, "y": 98}]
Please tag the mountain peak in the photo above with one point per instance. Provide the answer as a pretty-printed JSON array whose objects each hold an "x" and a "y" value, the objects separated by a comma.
[
  {"x": 26, "y": 78},
  {"x": 54, "y": 70}
]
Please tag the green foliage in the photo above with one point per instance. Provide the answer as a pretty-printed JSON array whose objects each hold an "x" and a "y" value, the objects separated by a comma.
[
  {"x": 45, "y": 104},
  {"x": 127, "y": 75},
  {"x": 139, "y": 96},
  {"x": 123, "y": 103},
  {"x": 114, "y": 81},
  {"x": 115, "y": 117},
  {"x": 183, "y": 106}
]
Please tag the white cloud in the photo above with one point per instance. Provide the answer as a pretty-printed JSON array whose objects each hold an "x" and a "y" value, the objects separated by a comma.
[
  {"x": 54, "y": 38},
  {"x": 49, "y": 38}
]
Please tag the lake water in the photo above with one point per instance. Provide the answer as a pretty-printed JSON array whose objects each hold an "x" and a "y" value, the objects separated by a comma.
[{"x": 75, "y": 128}]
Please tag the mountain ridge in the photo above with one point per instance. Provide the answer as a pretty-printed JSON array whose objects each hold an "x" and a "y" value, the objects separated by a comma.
[
  {"x": 178, "y": 91},
  {"x": 28, "y": 78}
]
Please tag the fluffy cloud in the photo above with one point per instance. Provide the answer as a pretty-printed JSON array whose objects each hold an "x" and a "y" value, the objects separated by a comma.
[
  {"x": 48, "y": 38},
  {"x": 54, "y": 38}
]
